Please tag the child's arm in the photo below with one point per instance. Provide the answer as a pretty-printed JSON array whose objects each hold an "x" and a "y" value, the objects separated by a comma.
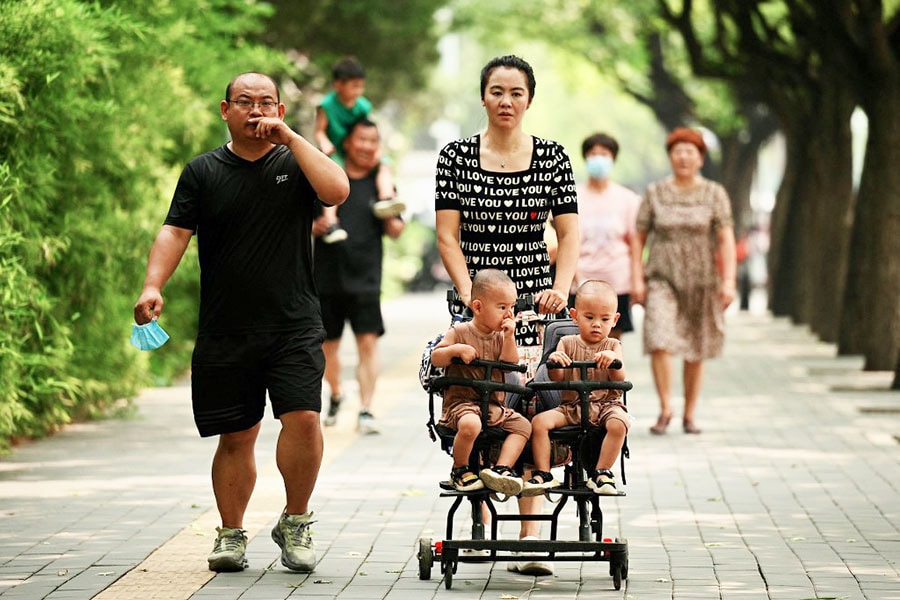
[
  {"x": 384, "y": 182},
  {"x": 320, "y": 134},
  {"x": 559, "y": 357},
  {"x": 605, "y": 357},
  {"x": 562, "y": 359},
  {"x": 448, "y": 349}
]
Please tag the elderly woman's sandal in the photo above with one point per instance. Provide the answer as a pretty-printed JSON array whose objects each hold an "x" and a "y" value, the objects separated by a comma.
[
  {"x": 661, "y": 424},
  {"x": 689, "y": 426}
]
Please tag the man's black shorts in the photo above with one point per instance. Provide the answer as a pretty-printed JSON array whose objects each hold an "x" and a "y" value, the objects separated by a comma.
[
  {"x": 231, "y": 374},
  {"x": 362, "y": 310}
]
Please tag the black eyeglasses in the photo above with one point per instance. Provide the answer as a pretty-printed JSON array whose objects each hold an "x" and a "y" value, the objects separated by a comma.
[{"x": 247, "y": 104}]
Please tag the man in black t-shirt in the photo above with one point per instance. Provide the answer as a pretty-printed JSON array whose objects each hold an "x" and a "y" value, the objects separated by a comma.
[
  {"x": 251, "y": 204},
  {"x": 348, "y": 273}
]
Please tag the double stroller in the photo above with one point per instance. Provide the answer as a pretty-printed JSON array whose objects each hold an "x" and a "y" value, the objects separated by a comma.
[{"x": 575, "y": 447}]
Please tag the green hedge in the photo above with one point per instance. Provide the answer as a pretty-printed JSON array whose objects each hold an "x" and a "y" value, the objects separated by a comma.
[{"x": 100, "y": 106}]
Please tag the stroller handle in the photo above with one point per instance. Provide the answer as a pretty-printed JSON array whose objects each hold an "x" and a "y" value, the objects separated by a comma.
[
  {"x": 584, "y": 384},
  {"x": 492, "y": 364},
  {"x": 584, "y": 364}
]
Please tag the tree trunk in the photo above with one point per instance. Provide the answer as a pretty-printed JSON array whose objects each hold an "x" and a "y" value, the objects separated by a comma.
[
  {"x": 870, "y": 322},
  {"x": 740, "y": 157},
  {"x": 807, "y": 255},
  {"x": 827, "y": 238},
  {"x": 784, "y": 255}
]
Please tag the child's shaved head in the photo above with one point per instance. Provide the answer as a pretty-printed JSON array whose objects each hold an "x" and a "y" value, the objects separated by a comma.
[
  {"x": 488, "y": 280},
  {"x": 598, "y": 289}
]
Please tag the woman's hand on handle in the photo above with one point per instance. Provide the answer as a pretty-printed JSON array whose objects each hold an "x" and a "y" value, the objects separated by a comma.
[{"x": 550, "y": 301}]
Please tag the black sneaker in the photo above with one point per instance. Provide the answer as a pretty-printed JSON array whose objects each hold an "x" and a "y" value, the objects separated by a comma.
[{"x": 334, "y": 404}]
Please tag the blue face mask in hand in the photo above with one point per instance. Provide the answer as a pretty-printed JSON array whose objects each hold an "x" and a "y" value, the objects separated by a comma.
[
  {"x": 149, "y": 336},
  {"x": 598, "y": 166}
]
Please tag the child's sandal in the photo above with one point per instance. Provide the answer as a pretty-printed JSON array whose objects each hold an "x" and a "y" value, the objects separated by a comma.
[
  {"x": 536, "y": 487},
  {"x": 464, "y": 480}
]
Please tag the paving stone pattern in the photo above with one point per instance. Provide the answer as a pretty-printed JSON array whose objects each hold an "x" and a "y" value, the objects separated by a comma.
[{"x": 791, "y": 492}]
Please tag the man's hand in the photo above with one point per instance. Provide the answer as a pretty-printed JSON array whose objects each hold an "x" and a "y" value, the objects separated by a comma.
[
  {"x": 272, "y": 129},
  {"x": 148, "y": 306}
]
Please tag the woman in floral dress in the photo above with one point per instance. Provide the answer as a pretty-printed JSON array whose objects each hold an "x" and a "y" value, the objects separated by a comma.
[{"x": 689, "y": 278}]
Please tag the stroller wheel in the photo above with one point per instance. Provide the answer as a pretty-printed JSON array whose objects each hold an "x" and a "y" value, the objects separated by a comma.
[{"x": 426, "y": 558}]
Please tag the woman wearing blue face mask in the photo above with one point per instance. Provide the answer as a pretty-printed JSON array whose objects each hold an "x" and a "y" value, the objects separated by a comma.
[{"x": 607, "y": 216}]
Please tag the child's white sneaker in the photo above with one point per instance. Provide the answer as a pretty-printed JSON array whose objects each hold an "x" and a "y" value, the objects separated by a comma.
[
  {"x": 502, "y": 479},
  {"x": 390, "y": 207}
]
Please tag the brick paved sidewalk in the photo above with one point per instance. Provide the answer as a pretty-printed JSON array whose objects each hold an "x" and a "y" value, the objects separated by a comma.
[{"x": 791, "y": 492}]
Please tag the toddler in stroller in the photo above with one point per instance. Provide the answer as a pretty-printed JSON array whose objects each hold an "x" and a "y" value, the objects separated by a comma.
[
  {"x": 488, "y": 336},
  {"x": 594, "y": 315}
]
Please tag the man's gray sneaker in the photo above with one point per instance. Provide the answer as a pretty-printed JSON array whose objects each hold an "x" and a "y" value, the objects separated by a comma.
[
  {"x": 293, "y": 536},
  {"x": 229, "y": 551},
  {"x": 366, "y": 423}
]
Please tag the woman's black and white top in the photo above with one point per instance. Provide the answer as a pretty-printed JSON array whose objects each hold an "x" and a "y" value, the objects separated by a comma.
[{"x": 503, "y": 215}]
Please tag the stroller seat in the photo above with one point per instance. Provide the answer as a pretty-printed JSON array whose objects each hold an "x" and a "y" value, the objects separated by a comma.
[
  {"x": 583, "y": 440},
  {"x": 490, "y": 438}
]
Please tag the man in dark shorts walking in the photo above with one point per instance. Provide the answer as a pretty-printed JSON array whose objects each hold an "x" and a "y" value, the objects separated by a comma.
[
  {"x": 348, "y": 273},
  {"x": 251, "y": 204}
]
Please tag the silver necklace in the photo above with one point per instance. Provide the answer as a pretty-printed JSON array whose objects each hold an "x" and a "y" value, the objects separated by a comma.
[{"x": 503, "y": 160}]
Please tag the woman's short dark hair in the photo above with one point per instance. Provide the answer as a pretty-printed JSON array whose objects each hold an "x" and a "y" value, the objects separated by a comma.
[
  {"x": 511, "y": 62},
  {"x": 600, "y": 139}
]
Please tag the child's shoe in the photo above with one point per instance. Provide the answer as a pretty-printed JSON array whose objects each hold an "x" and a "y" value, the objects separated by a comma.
[
  {"x": 390, "y": 207},
  {"x": 502, "y": 479},
  {"x": 464, "y": 480},
  {"x": 334, "y": 235},
  {"x": 603, "y": 482},
  {"x": 540, "y": 482}
]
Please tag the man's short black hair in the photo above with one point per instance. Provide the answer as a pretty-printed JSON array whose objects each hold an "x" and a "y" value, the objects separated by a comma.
[{"x": 361, "y": 122}]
